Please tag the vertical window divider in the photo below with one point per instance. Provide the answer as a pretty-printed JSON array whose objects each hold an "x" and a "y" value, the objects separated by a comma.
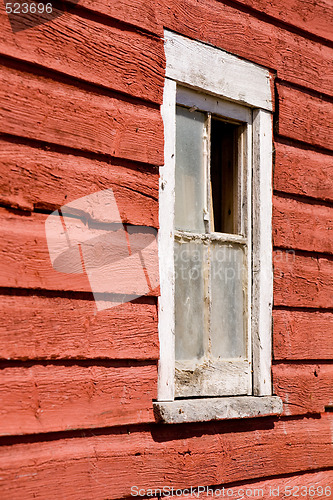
[
  {"x": 206, "y": 153},
  {"x": 209, "y": 180},
  {"x": 210, "y": 228}
]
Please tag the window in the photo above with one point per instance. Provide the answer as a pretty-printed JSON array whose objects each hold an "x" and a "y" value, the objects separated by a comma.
[{"x": 215, "y": 237}]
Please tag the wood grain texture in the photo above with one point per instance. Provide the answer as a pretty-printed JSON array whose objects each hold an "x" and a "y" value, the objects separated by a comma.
[
  {"x": 56, "y": 398},
  {"x": 303, "y": 172},
  {"x": 201, "y": 66},
  {"x": 303, "y": 388},
  {"x": 312, "y": 121},
  {"x": 121, "y": 60},
  {"x": 302, "y": 335},
  {"x": 139, "y": 13},
  {"x": 302, "y": 226},
  {"x": 37, "y": 178},
  {"x": 106, "y": 466},
  {"x": 37, "y": 327},
  {"x": 294, "y": 58},
  {"x": 25, "y": 260},
  {"x": 302, "y": 281},
  {"x": 43, "y": 109},
  {"x": 314, "y": 17}
]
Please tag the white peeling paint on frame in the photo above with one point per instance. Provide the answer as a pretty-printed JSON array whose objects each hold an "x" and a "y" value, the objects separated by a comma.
[
  {"x": 166, "y": 368},
  {"x": 262, "y": 253},
  {"x": 215, "y": 71},
  {"x": 188, "y": 410}
]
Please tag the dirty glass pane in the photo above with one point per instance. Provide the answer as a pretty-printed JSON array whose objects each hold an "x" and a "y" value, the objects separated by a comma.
[
  {"x": 189, "y": 300},
  {"x": 190, "y": 178},
  {"x": 227, "y": 301}
]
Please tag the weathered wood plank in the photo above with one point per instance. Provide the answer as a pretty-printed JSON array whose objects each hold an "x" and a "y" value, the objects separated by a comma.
[
  {"x": 182, "y": 411},
  {"x": 107, "y": 466},
  {"x": 124, "y": 61},
  {"x": 306, "y": 486},
  {"x": 302, "y": 226},
  {"x": 302, "y": 335},
  {"x": 295, "y": 58},
  {"x": 43, "y": 109},
  {"x": 57, "y": 398},
  {"x": 37, "y": 327},
  {"x": 201, "y": 66},
  {"x": 25, "y": 260},
  {"x": 312, "y": 121},
  {"x": 303, "y": 172},
  {"x": 139, "y": 13},
  {"x": 314, "y": 17},
  {"x": 302, "y": 281},
  {"x": 36, "y": 178},
  {"x": 303, "y": 388}
]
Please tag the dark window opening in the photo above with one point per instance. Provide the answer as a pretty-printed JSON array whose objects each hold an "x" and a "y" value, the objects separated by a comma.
[{"x": 224, "y": 177}]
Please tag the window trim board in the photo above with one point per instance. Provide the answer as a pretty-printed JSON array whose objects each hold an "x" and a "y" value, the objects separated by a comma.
[
  {"x": 189, "y": 98},
  {"x": 223, "y": 408},
  {"x": 218, "y": 72},
  {"x": 262, "y": 252},
  {"x": 166, "y": 313}
]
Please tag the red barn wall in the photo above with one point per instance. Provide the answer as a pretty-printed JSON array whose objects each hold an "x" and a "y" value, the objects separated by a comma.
[{"x": 80, "y": 112}]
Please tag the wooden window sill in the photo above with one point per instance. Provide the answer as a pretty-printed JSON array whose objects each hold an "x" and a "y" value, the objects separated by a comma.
[{"x": 223, "y": 408}]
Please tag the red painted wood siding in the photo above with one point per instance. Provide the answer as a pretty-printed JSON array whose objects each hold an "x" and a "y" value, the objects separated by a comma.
[{"x": 80, "y": 112}]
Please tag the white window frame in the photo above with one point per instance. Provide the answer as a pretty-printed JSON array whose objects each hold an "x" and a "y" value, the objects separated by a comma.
[{"x": 213, "y": 72}]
